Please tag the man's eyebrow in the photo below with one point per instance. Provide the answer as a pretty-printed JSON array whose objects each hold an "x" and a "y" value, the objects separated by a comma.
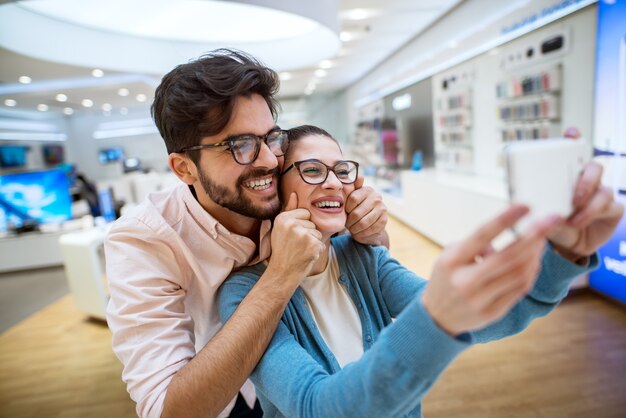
[{"x": 235, "y": 135}]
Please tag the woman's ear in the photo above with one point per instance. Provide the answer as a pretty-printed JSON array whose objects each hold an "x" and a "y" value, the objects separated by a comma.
[{"x": 183, "y": 167}]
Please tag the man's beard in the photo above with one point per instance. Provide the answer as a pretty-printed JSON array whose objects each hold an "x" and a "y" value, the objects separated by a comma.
[{"x": 237, "y": 201}]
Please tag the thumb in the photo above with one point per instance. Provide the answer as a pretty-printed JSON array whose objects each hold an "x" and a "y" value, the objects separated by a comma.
[
  {"x": 359, "y": 182},
  {"x": 292, "y": 203}
]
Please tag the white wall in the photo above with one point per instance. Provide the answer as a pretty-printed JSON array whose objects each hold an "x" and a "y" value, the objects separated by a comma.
[
  {"x": 329, "y": 111},
  {"x": 150, "y": 148}
]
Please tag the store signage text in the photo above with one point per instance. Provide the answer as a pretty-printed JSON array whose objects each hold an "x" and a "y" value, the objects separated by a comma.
[{"x": 545, "y": 12}]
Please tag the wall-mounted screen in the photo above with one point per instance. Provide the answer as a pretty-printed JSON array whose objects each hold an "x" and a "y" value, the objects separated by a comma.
[
  {"x": 110, "y": 155},
  {"x": 13, "y": 156},
  {"x": 610, "y": 134},
  {"x": 53, "y": 154},
  {"x": 42, "y": 196},
  {"x": 610, "y": 85}
]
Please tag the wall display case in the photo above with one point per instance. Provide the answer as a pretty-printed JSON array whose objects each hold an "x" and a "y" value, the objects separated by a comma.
[
  {"x": 529, "y": 105},
  {"x": 454, "y": 145}
]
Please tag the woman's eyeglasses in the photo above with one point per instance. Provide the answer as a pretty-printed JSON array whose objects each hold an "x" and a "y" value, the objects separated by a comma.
[
  {"x": 245, "y": 148},
  {"x": 316, "y": 172}
]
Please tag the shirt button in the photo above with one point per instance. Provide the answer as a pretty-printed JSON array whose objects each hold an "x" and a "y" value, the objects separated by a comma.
[{"x": 369, "y": 338}]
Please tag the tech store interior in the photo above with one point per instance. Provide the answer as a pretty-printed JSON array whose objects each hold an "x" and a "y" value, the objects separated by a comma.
[{"x": 426, "y": 95}]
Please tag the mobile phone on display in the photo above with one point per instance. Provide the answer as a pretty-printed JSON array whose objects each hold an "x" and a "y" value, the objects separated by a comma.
[{"x": 542, "y": 174}]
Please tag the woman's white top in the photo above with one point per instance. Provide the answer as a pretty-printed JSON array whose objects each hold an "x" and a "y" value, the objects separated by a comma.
[{"x": 334, "y": 312}]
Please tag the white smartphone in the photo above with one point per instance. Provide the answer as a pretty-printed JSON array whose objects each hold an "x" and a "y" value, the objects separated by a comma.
[{"x": 542, "y": 174}]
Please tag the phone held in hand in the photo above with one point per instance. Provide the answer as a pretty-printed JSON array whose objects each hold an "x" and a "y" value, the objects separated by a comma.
[{"x": 542, "y": 174}]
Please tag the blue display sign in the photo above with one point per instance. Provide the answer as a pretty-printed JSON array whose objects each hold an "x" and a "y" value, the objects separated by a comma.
[
  {"x": 610, "y": 133},
  {"x": 610, "y": 278}
]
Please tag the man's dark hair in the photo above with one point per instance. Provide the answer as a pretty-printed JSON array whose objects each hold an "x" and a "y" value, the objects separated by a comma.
[{"x": 196, "y": 99}]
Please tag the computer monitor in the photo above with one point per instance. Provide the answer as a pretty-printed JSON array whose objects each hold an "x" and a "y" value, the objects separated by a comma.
[
  {"x": 34, "y": 197},
  {"x": 110, "y": 155},
  {"x": 13, "y": 156},
  {"x": 53, "y": 154}
]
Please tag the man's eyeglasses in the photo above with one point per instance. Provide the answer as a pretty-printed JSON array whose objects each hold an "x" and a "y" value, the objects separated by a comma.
[
  {"x": 316, "y": 172},
  {"x": 245, "y": 148}
]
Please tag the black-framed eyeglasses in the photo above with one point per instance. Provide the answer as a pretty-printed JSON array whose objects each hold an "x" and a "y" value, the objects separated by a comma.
[
  {"x": 245, "y": 148},
  {"x": 316, "y": 172}
]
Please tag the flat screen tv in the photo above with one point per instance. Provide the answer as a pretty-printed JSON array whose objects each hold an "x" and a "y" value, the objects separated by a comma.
[
  {"x": 110, "y": 155},
  {"x": 39, "y": 197},
  {"x": 53, "y": 154},
  {"x": 13, "y": 156}
]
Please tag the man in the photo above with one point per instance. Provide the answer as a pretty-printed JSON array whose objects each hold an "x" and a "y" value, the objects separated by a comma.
[{"x": 166, "y": 260}]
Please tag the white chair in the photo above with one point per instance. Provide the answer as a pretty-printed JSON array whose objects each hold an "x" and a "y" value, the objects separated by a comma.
[{"x": 83, "y": 256}]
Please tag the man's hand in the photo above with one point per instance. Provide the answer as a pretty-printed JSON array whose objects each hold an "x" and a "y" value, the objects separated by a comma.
[
  {"x": 296, "y": 243},
  {"x": 367, "y": 215},
  {"x": 594, "y": 220},
  {"x": 472, "y": 285}
]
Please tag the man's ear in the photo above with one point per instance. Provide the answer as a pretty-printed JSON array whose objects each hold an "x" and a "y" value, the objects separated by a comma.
[{"x": 183, "y": 167}]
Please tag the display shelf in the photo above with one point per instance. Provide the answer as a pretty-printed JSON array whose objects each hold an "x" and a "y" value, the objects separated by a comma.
[
  {"x": 453, "y": 119},
  {"x": 529, "y": 105}
]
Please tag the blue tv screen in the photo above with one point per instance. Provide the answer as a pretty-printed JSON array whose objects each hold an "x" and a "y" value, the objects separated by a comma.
[
  {"x": 12, "y": 156},
  {"x": 42, "y": 196},
  {"x": 110, "y": 155}
]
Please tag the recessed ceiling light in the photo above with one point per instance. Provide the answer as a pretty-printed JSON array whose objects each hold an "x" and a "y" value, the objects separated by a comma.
[
  {"x": 68, "y": 110},
  {"x": 107, "y": 107},
  {"x": 320, "y": 73},
  {"x": 285, "y": 76},
  {"x": 10, "y": 103},
  {"x": 358, "y": 14},
  {"x": 25, "y": 79},
  {"x": 141, "y": 97},
  {"x": 61, "y": 97},
  {"x": 97, "y": 72},
  {"x": 123, "y": 92},
  {"x": 326, "y": 64},
  {"x": 123, "y": 111},
  {"x": 87, "y": 102},
  {"x": 346, "y": 36},
  {"x": 42, "y": 107}
]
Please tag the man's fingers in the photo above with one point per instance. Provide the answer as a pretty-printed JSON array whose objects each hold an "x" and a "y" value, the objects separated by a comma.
[
  {"x": 292, "y": 203},
  {"x": 357, "y": 197},
  {"x": 468, "y": 249},
  {"x": 587, "y": 184},
  {"x": 368, "y": 221},
  {"x": 374, "y": 229},
  {"x": 359, "y": 182}
]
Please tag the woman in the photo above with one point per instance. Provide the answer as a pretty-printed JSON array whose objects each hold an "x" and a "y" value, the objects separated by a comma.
[{"x": 356, "y": 340}]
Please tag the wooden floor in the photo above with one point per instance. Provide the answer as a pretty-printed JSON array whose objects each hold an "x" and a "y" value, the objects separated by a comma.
[{"x": 57, "y": 363}]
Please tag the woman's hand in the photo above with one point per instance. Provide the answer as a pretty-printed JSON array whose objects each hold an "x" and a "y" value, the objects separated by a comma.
[
  {"x": 472, "y": 285},
  {"x": 594, "y": 220}
]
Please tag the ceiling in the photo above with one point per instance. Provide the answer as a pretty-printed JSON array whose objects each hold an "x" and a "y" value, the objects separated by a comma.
[{"x": 370, "y": 33}]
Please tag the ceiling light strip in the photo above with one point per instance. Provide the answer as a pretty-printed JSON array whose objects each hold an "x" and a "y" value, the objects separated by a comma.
[
  {"x": 27, "y": 136},
  {"x": 76, "y": 83}
]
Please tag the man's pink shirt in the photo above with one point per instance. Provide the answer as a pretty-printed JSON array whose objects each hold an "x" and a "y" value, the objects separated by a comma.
[{"x": 165, "y": 262}]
